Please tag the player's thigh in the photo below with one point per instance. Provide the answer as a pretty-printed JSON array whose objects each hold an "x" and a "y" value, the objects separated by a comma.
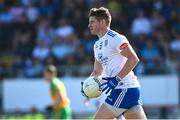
[
  {"x": 135, "y": 112},
  {"x": 104, "y": 113}
]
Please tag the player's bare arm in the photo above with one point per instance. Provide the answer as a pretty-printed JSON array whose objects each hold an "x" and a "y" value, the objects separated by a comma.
[
  {"x": 132, "y": 60},
  {"x": 59, "y": 98},
  {"x": 97, "y": 70}
]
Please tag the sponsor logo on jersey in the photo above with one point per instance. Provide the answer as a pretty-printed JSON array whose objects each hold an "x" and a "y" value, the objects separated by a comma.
[
  {"x": 96, "y": 46},
  {"x": 102, "y": 60},
  {"x": 100, "y": 45},
  {"x": 105, "y": 42}
]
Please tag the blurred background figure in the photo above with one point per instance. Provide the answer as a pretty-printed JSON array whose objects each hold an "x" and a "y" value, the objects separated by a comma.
[{"x": 61, "y": 108}]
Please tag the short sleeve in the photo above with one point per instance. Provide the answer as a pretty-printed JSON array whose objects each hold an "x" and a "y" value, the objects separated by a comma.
[
  {"x": 53, "y": 87},
  {"x": 120, "y": 42}
]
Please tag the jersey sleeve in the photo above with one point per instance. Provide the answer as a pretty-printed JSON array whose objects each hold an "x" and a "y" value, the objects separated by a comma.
[
  {"x": 120, "y": 42},
  {"x": 53, "y": 87}
]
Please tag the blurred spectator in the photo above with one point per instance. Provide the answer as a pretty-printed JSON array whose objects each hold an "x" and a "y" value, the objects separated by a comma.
[
  {"x": 41, "y": 51},
  {"x": 139, "y": 42},
  {"x": 59, "y": 45},
  {"x": 162, "y": 40},
  {"x": 175, "y": 51},
  {"x": 130, "y": 8},
  {"x": 24, "y": 25},
  {"x": 151, "y": 58},
  {"x": 176, "y": 23},
  {"x": 25, "y": 2},
  {"x": 19, "y": 65},
  {"x": 64, "y": 29},
  {"x": 115, "y": 7},
  {"x": 47, "y": 7},
  {"x": 6, "y": 16},
  {"x": 157, "y": 19},
  {"x": 175, "y": 43},
  {"x": 79, "y": 22},
  {"x": 45, "y": 32},
  {"x": 157, "y": 4},
  {"x": 23, "y": 44},
  {"x": 116, "y": 11},
  {"x": 72, "y": 42},
  {"x": 33, "y": 68},
  {"x": 17, "y": 11},
  {"x": 69, "y": 60},
  {"x": 67, "y": 46},
  {"x": 80, "y": 55},
  {"x": 94, "y": 3},
  {"x": 177, "y": 4},
  {"x": 88, "y": 42},
  {"x": 50, "y": 59},
  {"x": 141, "y": 24},
  {"x": 68, "y": 8},
  {"x": 166, "y": 8},
  {"x": 32, "y": 12}
]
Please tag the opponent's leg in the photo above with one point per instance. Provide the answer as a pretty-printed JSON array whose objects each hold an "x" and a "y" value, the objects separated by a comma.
[{"x": 135, "y": 112}]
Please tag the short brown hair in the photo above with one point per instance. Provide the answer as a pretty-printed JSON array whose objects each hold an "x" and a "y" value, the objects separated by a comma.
[
  {"x": 101, "y": 13},
  {"x": 51, "y": 69}
]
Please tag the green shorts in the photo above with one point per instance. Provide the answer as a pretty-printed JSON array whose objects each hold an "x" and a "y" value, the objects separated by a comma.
[{"x": 64, "y": 113}]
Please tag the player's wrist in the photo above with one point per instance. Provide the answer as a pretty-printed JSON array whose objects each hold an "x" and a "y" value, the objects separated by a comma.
[{"x": 117, "y": 78}]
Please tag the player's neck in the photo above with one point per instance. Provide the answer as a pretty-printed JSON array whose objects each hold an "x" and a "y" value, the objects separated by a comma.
[{"x": 102, "y": 32}]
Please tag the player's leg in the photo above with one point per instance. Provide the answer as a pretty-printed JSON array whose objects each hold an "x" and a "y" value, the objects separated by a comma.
[
  {"x": 120, "y": 117},
  {"x": 104, "y": 113},
  {"x": 110, "y": 109},
  {"x": 135, "y": 112},
  {"x": 128, "y": 99}
]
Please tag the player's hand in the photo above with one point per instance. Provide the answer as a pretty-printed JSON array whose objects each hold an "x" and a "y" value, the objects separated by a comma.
[
  {"x": 86, "y": 102},
  {"x": 110, "y": 84},
  {"x": 82, "y": 91}
]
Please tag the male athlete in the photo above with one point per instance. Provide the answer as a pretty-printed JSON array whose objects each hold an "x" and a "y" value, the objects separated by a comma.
[
  {"x": 61, "y": 108},
  {"x": 115, "y": 60}
]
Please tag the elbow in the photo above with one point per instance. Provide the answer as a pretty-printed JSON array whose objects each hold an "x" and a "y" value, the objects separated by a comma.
[
  {"x": 135, "y": 60},
  {"x": 95, "y": 73}
]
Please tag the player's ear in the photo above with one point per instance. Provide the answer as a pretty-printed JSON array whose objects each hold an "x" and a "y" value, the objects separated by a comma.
[{"x": 102, "y": 22}]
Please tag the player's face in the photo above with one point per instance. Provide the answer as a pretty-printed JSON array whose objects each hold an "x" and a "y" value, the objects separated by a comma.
[
  {"x": 94, "y": 25},
  {"x": 47, "y": 76}
]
